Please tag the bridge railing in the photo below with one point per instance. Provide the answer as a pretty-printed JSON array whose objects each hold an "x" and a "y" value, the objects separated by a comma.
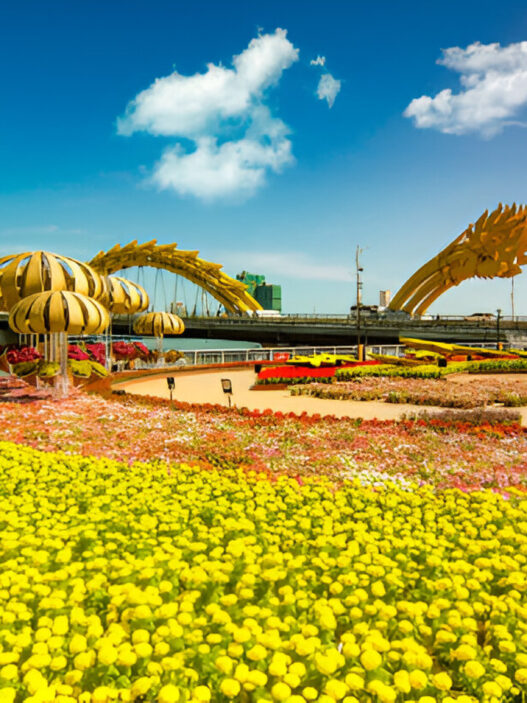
[{"x": 367, "y": 320}]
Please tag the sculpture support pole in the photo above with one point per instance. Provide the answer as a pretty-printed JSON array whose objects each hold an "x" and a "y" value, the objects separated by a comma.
[{"x": 59, "y": 343}]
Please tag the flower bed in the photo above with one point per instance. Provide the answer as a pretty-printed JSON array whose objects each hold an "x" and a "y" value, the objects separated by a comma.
[
  {"x": 141, "y": 428},
  {"x": 304, "y": 374},
  {"x": 170, "y": 583},
  {"x": 423, "y": 391}
]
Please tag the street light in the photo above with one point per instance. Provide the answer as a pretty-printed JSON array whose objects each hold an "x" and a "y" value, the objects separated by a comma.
[
  {"x": 359, "y": 299},
  {"x": 498, "y": 343}
]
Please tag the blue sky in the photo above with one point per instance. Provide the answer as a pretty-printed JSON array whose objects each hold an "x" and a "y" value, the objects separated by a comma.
[{"x": 245, "y": 162}]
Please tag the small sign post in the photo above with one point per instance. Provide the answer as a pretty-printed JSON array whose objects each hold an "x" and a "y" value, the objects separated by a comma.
[
  {"x": 171, "y": 385},
  {"x": 226, "y": 385}
]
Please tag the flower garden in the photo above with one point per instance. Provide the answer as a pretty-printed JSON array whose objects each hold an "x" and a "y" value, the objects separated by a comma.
[
  {"x": 438, "y": 392},
  {"x": 158, "y": 552},
  {"x": 170, "y": 552}
]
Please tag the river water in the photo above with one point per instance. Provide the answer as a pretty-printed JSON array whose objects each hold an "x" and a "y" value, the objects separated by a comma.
[{"x": 184, "y": 343}]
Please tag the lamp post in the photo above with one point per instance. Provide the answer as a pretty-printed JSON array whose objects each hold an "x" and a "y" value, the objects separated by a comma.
[
  {"x": 359, "y": 300},
  {"x": 498, "y": 344}
]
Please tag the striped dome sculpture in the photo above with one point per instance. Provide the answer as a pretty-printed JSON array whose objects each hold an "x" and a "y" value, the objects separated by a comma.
[
  {"x": 58, "y": 311},
  {"x": 4, "y": 261},
  {"x": 124, "y": 297},
  {"x": 34, "y": 272},
  {"x": 159, "y": 324},
  {"x": 3, "y": 306}
]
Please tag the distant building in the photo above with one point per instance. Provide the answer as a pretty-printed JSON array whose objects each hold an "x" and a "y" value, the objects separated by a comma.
[
  {"x": 269, "y": 295},
  {"x": 384, "y": 298},
  {"x": 178, "y": 308}
]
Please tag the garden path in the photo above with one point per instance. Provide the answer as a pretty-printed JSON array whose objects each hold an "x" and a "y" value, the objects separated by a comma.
[{"x": 205, "y": 387}]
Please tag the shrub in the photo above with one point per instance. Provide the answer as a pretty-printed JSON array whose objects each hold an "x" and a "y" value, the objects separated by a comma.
[
  {"x": 499, "y": 366},
  {"x": 291, "y": 381},
  {"x": 472, "y": 416},
  {"x": 425, "y": 371}
]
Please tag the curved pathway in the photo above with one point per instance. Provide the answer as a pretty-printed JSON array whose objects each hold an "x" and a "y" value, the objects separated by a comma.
[{"x": 205, "y": 387}]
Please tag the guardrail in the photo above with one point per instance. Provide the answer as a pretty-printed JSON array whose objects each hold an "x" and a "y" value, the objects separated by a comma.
[
  {"x": 201, "y": 357},
  {"x": 366, "y": 321}
]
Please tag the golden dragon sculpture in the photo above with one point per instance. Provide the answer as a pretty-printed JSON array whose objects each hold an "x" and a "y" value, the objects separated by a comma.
[{"x": 495, "y": 246}]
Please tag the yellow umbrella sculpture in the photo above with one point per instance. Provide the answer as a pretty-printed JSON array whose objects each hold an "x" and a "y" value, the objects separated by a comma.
[
  {"x": 124, "y": 297},
  {"x": 23, "y": 276},
  {"x": 57, "y": 314},
  {"x": 3, "y": 306},
  {"x": 34, "y": 272},
  {"x": 159, "y": 324},
  {"x": 58, "y": 311}
]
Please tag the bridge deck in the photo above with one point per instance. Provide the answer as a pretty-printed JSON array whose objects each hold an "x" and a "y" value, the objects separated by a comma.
[{"x": 335, "y": 329}]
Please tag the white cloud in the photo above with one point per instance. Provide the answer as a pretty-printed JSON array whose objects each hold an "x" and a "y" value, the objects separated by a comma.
[
  {"x": 212, "y": 171},
  {"x": 328, "y": 88},
  {"x": 207, "y": 108},
  {"x": 304, "y": 268},
  {"x": 319, "y": 61},
  {"x": 494, "y": 82}
]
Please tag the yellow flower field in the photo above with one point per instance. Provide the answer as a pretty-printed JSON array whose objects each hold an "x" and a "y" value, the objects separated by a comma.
[{"x": 173, "y": 583}]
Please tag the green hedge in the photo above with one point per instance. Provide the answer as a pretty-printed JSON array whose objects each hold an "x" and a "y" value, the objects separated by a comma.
[
  {"x": 425, "y": 371},
  {"x": 433, "y": 371},
  {"x": 294, "y": 380},
  {"x": 500, "y": 366}
]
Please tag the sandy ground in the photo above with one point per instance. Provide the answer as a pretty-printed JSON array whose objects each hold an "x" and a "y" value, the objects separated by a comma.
[
  {"x": 205, "y": 387},
  {"x": 197, "y": 386}
]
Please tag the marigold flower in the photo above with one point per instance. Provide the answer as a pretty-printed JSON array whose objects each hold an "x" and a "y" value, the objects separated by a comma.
[
  {"x": 7, "y": 694},
  {"x": 230, "y": 687},
  {"x": 370, "y": 659},
  {"x": 401, "y": 681},
  {"x": 280, "y": 691},
  {"x": 168, "y": 694},
  {"x": 336, "y": 689},
  {"x": 9, "y": 672},
  {"x": 418, "y": 679},
  {"x": 257, "y": 653},
  {"x": 492, "y": 689},
  {"x": 474, "y": 670}
]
